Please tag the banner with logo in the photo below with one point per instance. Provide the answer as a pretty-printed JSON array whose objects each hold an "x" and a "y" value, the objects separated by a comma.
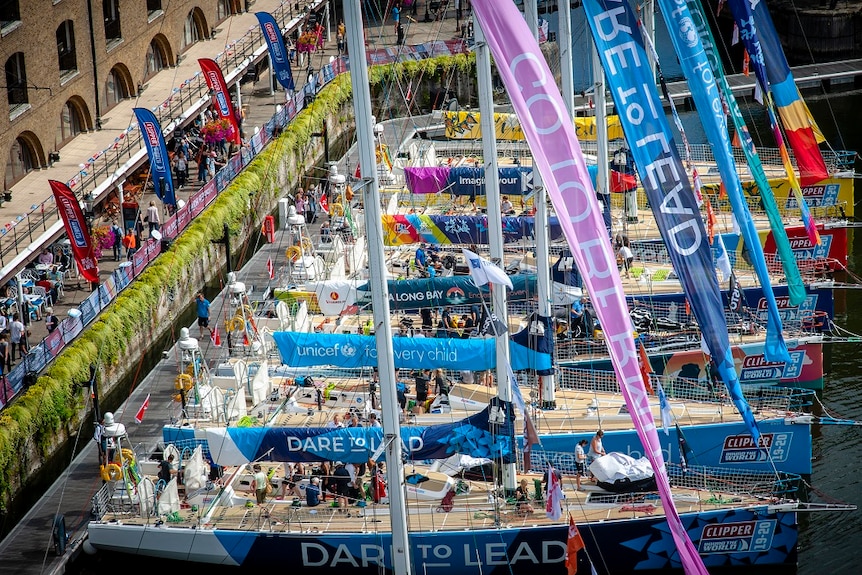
[
  {"x": 830, "y": 253},
  {"x": 278, "y": 55},
  {"x": 701, "y": 81},
  {"x": 160, "y": 163},
  {"x": 220, "y": 95},
  {"x": 76, "y": 229},
  {"x": 350, "y": 351},
  {"x": 470, "y": 436},
  {"x": 446, "y": 291},
  {"x": 400, "y": 230}
]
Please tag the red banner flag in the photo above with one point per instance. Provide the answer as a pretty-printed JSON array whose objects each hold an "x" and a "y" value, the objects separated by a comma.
[
  {"x": 76, "y": 229},
  {"x": 215, "y": 337},
  {"x": 646, "y": 368},
  {"x": 324, "y": 203},
  {"x": 139, "y": 416},
  {"x": 270, "y": 269},
  {"x": 574, "y": 544},
  {"x": 531, "y": 438},
  {"x": 220, "y": 94}
]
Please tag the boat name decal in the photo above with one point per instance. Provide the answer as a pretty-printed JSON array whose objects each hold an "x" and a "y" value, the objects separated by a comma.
[
  {"x": 741, "y": 448},
  {"x": 755, "y": 367},
  {"x": 743, "y": 537},
  {"x": 803, "y": 250},
  {"x": 816, "y": 196}
]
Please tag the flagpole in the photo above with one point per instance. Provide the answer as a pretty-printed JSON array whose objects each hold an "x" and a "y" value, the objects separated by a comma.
[{"x": 495, "y": 221}]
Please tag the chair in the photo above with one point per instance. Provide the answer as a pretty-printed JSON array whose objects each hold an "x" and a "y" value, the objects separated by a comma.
[
  {"x": 43, "y": 293},
  {"x": 29, "y": 275}
]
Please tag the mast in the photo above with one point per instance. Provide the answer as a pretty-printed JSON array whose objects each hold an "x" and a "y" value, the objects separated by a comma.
[
  {"x": 567, "y": 72},
  {"x": 401, "y": 562},
  {"x": 495, "y": 220},
  {"x": 540, "y": 201},
  {"x": 601, "y": 136}
]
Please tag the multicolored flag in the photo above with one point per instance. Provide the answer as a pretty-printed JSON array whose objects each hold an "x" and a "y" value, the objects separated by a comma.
[
  {"x": 554, "y": 495},
  {"x": 139, "y": 416},
  {"x": 574, "y": 543},
  {"x": 160, "y": 164},
  {"x": 77, "y": 230},
  {"x": 277, "y": 53},
  {"x": 220, "y": 95}
]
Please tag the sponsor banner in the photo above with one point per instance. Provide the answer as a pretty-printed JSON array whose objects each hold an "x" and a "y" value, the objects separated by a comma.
[
  {"x": 278, "y": 55},
  {"x": 76, "y": 229},
  {"x": 399, "y": 230},
  {"x": 220, "y": 95},
  {"x": 829, "y": 192},
  {"x": 831, "y": 253},
  {"x": 465, "y": 126},
  {"x": 333, "y": 296},
  {"x": 466, "y": 181},
  {"x": 719, "y": 445},
  {"x": 743, "y": 537},
  {"x": 470, "y": 436},
  {"x": 447, "y": 291},
  {"x": 357, "y": 351},
  {"x": 160, "y": 163}
]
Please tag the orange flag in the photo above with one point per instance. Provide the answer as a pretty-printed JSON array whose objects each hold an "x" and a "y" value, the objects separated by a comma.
[
  {"x": 575, "y": 543},
  {"x": 646, "y": 369}
]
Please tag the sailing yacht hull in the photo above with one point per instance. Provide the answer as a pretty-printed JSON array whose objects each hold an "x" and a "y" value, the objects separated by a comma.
[{"x": 750, "y": 536}]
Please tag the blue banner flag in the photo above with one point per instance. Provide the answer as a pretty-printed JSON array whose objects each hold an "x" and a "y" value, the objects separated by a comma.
[
  {"x": 701, "y": 80},
  {"x": 446, "y": 291},
  {"x": 277, "y": 53},
  {"x": 472, "y": 436},
  {"x": 160, "y": 164},
  {"x": 621, "y": 49},
  {"x": 299, "y": 349}
]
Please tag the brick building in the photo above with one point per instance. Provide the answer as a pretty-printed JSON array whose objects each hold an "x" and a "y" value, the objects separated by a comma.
[{"x": 69, "y": 62}]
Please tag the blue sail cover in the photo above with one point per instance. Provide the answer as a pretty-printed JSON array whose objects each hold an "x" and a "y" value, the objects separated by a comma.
[
  {"x": 487, "y": 434},
  {"x": 446, "y": 291},
  {"x": 538, "y": 336},
  {"x": 300, "y": 349},
  {"x": 701, "y": 81},
  {"x": 615, "y": 30}
]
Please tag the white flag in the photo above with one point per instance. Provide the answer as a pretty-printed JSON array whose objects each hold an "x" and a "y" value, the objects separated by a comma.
[
  {"x": 723, "y": 260},
  {"x": 666, "y": 413},
  {"x": 482, "y": 271}
]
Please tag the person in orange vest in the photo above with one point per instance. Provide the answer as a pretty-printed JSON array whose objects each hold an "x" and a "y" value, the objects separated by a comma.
[{"x": 130, "y": 242}]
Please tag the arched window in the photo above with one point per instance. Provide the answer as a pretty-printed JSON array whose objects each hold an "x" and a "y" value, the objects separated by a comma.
[
  {"x": 223, "y": 10},
  {"x": 66, "y": 47},
  {"x": 192, "y": 30},
  {"x": 18, "y": 163},
  {"x": 111, "y": 13},
  {"x": 155, "y": 59},
  {"x": 10, "y": 13},
  {"x": 116, "y": 88},
  {"x": 71, "y": 123},
  {"x": 16, "y": 80}
]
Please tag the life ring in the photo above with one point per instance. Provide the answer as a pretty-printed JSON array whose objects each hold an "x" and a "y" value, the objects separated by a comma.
[
  {"x": 306, "y": 244},
  {"x": 236, "y": 323},
  {"x": 128, "y": 455},
  {"x": 293, "y": 253},
  {"x": 111, "y": 472},
  {"x": 184, "y": 381},
  {"x": 336, "y": 210},
  {"x": 348, "y": 193}
]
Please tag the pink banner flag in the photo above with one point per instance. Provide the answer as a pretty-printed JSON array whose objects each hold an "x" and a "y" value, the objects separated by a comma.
[{"x": 558, "y": 157}]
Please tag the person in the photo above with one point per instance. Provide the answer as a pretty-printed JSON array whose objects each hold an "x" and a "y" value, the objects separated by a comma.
[
  {"x": 506, "y": 206},
  {"x": 290, "y": 481},
  {"x": 5, "y": 356},
  {"x": 300, "y": 202},
  {"x": 203, "y": 309},
  {"x": 596, "y": 448},
  {"x": 627, "y": 257},
  {"x": 339, "y": 42},
  {"x": 522, "y": 498},
  {"x": 579, "y": 318},
  {"x": 580, "y": 462},
  {"x": 101, "y": 441},
  {"x": 166, "y": 469},
  {"x": 441, "y": 386},
  {"x": 342, "y": 484},
  {"x": 51, "y": 321},
  {"x": 118, "y": 240},
  {"x": 181, "y": 167},
  {"x": 396, "y": 15},
  {"x": 335, "y": 423},
  {"x": 130, "y": 242},
  {"x": 420, "y": 258},
  {"x": 423, "y": 379},
  {"x": 325, "y": 233},
  {"x": 401, "y": 392},
  {"x": 46, "y": 257},
  {"x": 312, "y": 492},
  {"x": 18, "y": 337},
  {"x": 258, "y": 483},
  {"x": 153, "y": 217},
  {"x": 372, "y": 420}
]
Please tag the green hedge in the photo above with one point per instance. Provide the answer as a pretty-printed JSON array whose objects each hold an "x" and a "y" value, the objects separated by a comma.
[{"x": 55, "y": 401}]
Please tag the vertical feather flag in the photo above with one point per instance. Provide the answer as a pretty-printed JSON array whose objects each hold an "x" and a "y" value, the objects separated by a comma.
[
  {"x": 574, "y": 543},
  {"x": 77, "y": 230},
  {"x": 324, "y": 203},
  {"x": 664, "y": 406},
  {"x": 215, "y": 337},
  {"x": 220, "y": 95},
  {"x": 160, "y": 164},
  {"x": 531, "y": 438},
  {"x": 139, "y": 416},
  {"x": 277, "y": 53}
]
